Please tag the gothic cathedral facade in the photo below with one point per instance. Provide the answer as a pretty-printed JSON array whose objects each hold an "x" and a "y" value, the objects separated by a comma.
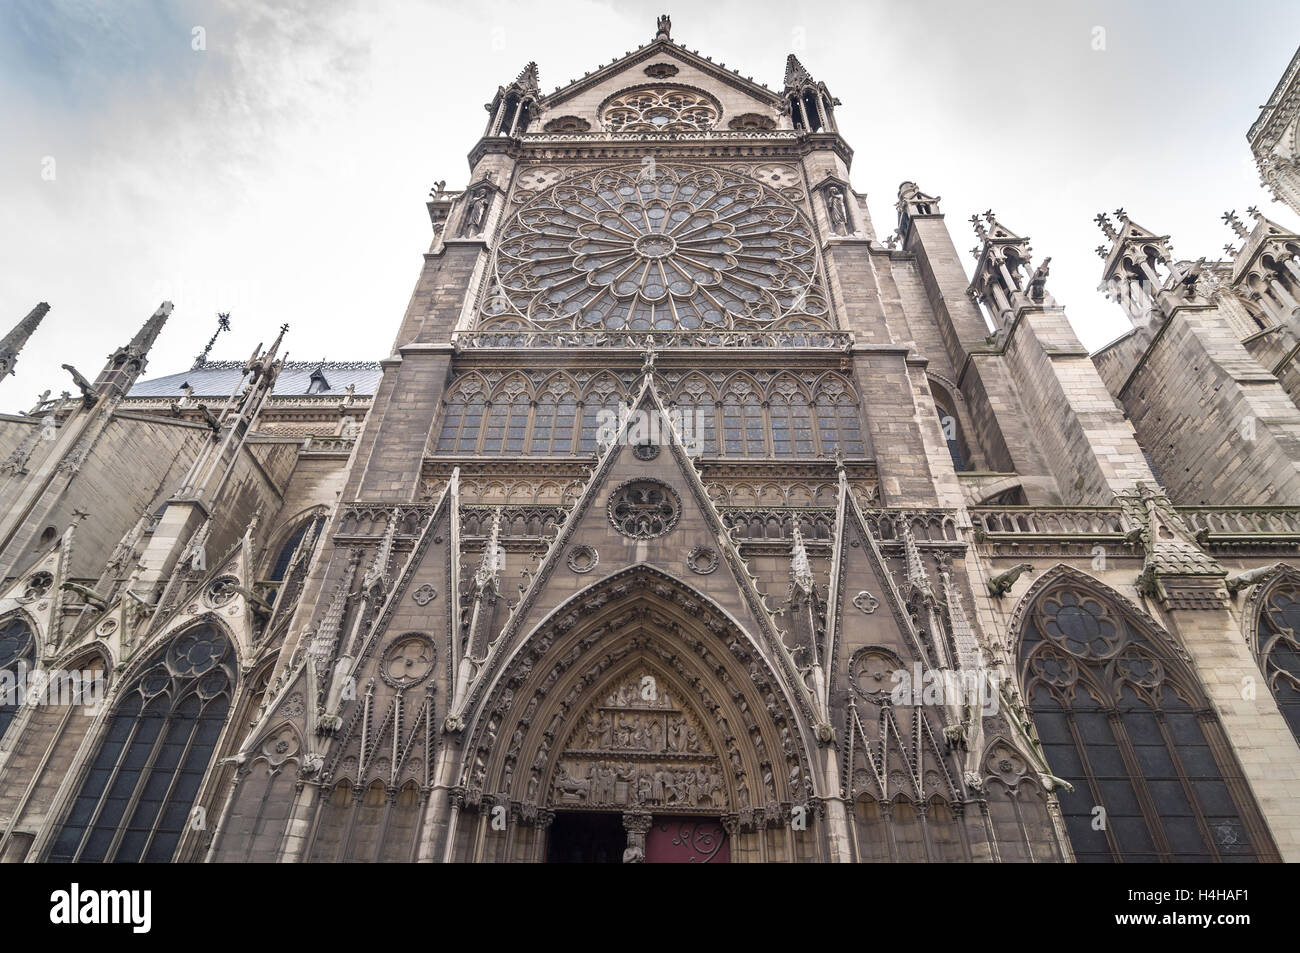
[{"x": 690, "y": 519}]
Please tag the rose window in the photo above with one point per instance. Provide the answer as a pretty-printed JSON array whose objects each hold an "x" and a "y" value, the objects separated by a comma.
[
  {"x": 660, "y": 109},
  {"x": 644, "y": 509},
  {"x": 657, "y": 248}
]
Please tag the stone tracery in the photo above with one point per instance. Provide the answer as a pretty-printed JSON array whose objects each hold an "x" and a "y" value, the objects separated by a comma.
[
  {"x": 660, "y": 109},
  {"x": 658, "y": 247}
]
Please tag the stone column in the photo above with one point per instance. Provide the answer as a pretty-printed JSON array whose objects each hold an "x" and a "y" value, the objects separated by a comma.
[{"x": 637, "y": 825}]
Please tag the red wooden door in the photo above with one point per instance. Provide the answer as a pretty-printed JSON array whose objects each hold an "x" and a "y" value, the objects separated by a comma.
[{"x": 687, "y": 840}]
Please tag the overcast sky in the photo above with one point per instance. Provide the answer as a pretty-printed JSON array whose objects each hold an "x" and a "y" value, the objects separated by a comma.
[{"x": 280, "y": 173}]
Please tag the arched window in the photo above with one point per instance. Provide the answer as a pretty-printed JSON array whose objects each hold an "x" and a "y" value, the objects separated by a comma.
[
  {"x": 285, "y": 554},
  {"x": 1278, "y": 647},
  {"x": 17, "y": 648},
  {"x": 699, "y": 422},
  {"x": 462, "y": 419},
  {"x": 553, "y": 424},
  {"x": 743, "y": 425},
  {"x": 837, "y": 422},
  {"x": 507, "y": 422},
  {"x": 136, "y": 798},
  {"x": 1121, "y": 718},
  {"x": 952, "y": 431},
  {"x": 599, "y": 409},
  {"x": 792, "y": 431}
]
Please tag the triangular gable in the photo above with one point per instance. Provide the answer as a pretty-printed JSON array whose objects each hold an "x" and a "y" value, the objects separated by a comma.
[
  {"x": 866, "y": 608},
  {"x": 425, "y": 595},
  {"x": 646, "y": 53},
  {"x": 698, "y": 535}
]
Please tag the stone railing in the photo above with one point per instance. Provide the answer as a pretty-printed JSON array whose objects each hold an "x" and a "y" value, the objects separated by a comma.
[
  {"x": 1268, "y": 526},
  {"x": 534, "y": 521},
  {"x": 1243, "y": 523},
  {"x": 814, "y": 339},
  {"x": 1050, "y": 521},
  {"x": 317, "y": 444}
]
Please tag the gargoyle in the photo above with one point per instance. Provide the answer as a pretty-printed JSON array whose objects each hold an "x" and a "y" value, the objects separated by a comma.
[
  {"x": 1001, "y": 584},
  {"x": 88, "y": 595},
  {"x": 1052, "y": 782},
  {"x": 255, "y": 602},
  {"x": 1038, "y": 282},
  {"x": 1247, "y": 578},
  {"x": 88, "y": 395},
  {"x": 210, "y": 420}
]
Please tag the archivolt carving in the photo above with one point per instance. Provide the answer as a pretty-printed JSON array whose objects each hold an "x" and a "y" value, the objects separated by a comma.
[
  {"x": 640, "y": 745},
  {"x": 638, "y": 623}
]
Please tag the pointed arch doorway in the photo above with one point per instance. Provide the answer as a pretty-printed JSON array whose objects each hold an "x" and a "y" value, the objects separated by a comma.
[
  {"x": 638, "y": 701},
  {"x": 638, "y": 778}
]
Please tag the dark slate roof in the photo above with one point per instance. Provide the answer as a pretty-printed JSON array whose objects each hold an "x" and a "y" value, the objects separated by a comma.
[{"x": 218, "y": 379}]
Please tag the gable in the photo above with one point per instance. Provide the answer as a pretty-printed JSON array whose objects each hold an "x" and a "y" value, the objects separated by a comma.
[{"x": 652, "y": 68}]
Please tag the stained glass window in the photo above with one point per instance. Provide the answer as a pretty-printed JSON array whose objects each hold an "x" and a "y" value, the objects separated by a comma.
[
  {"x": 136, "y": 798},
  {"x": 657, "y": 247},
  {"x": 1279, "y": 649},
  {"x": 1122, "y": 720},
  {"x": 17, "y": 645}
]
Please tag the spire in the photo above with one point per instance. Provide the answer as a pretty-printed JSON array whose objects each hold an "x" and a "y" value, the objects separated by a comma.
[
  {"x": 917, "y": 579},
  {"x": 494, "y": 557},
  {"x": 126, "y": 364},
  {"x": 223, "y": 324},
  {"x": 963, "y": 634},
  {"x": 795, "y": 74},
  {"x": 378, "y": 571},
  {"x": 325, "y": 641},
  {"x": 528, "y": 79},
  {"x": 1106, "y": 227},
  {"x": 13, "y": 342},
  {"x": 799, "y": 565}
]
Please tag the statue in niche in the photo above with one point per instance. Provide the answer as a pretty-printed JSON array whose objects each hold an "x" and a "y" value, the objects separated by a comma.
[
  {"x": 838, "y": 210},
  {"x": 476, "y": 212}
]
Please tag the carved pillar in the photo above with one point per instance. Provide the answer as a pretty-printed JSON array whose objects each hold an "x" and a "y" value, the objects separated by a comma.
[
  {"x": 545, "y": 818},
  {"x": 637, "y": 825}
]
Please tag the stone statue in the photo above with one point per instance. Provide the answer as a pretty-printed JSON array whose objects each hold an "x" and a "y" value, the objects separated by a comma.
[
  {"x": 476, "y": 213},
  {"x": 838, "y": 210},
  {"x": 1038, "y": 282}
]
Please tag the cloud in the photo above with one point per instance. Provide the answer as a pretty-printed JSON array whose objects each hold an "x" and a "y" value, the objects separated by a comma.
[{"x": 280, "y": 172}]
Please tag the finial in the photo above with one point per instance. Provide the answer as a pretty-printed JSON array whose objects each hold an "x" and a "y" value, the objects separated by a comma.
[
  {"x": 1106, "y": 227},
  {"x": 1101, "y": 252},
  {"x": 1230, "y": 219},
  {"x": 1254, "y": 212},
  {"x": 1121, "y": 215},
  {"x": 1230, "y": 251},
  {"x": 979, "y": 228}
]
